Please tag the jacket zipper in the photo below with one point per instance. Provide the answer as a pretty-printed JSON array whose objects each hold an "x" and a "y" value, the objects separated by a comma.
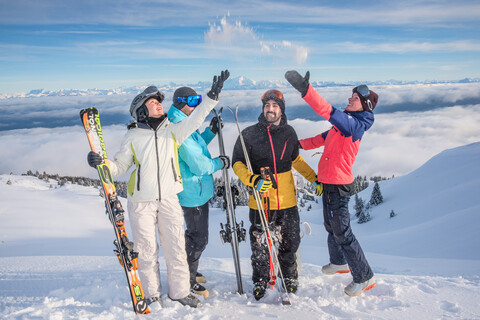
[
  {"x": 138, "y": 177},
  {"x": 158, "y": 167},
  {"x": 274, "y": 166},
  {"x": 283, "y": 152}
]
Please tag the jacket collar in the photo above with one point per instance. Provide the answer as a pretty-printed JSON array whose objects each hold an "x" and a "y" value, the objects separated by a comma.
[
  {"x": 264, "y": 123},
  {"x": 367, "y": 118},
  {"x": 162, "y": 125},
  {"x": 175, "y": 115}
]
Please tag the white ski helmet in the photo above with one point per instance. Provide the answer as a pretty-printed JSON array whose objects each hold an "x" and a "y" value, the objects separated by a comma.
[{"x": 138, "y": 110}]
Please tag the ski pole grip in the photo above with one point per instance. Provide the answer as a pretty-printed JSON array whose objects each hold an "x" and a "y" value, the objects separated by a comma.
[
  {"x": 270, "y": 177},
  {"x": 263, "y": 173}
]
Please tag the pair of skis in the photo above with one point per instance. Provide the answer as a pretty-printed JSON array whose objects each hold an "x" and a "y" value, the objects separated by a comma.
[
  {"x": 123, "y": 247},
  {"x": 230, "y": 232},
  {"x": 272, "y": 250}
]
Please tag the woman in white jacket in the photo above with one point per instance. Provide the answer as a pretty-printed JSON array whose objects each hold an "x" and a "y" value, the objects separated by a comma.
[{"x": 152, "y": 145}]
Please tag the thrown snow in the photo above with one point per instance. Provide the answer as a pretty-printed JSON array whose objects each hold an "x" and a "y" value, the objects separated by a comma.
[{"x": 56, "y": 259}]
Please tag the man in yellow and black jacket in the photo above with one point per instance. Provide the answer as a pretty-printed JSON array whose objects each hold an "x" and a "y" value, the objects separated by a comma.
[{"x": 273, "y": 143}]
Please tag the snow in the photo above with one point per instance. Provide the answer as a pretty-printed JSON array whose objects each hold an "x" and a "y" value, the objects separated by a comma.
[{"x": 56, "y": 259}]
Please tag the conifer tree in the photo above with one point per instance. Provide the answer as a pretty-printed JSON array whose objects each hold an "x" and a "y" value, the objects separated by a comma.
[
  {"x": 359, "y": 206},
  {"x": 376, "y": 197}
]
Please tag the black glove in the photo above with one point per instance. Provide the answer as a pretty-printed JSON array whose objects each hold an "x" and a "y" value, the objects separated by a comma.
[
  {"x": 217, "y": 85},
  {"x": 214, "y": 124},
  {"x": 94, "y": 159},
  {"x": 298, "y": 82},
  {"x": 226, "y": 161}
]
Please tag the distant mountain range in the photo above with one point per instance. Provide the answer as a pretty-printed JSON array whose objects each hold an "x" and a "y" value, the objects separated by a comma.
[{"x": 238, "y": 83}]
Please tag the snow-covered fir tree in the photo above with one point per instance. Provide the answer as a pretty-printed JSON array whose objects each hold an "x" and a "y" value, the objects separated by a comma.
[
  {"x": 376, "y": 197},
  {"x": 359, "y": 206}
]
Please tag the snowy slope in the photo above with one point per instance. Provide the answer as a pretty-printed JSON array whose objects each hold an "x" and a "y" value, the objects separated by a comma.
[
  {"x": 437, "y": 209},
  {"x": 56, "y": 259}
]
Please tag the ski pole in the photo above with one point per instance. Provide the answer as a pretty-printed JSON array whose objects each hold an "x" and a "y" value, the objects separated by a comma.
[{"x": 266, "y": 209}]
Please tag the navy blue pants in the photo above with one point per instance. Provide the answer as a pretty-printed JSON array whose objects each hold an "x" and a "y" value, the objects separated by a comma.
[
  {"x": 343, "y": 247},
  {"x": 287, "y": 223},
  {"x": 196, "y": 236}
]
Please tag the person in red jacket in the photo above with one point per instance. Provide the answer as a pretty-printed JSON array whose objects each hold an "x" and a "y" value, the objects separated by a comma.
[{"x": 341, "y": 144}]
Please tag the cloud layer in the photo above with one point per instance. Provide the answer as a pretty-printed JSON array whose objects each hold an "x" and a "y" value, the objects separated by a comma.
[{"x": 398, "y": 142}]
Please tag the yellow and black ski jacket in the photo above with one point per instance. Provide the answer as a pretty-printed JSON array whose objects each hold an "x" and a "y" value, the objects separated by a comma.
[{"x": 275, "y": 147}]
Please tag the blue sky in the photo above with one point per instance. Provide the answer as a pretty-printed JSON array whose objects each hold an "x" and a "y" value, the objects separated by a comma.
[{"x": 60, "y": 44}]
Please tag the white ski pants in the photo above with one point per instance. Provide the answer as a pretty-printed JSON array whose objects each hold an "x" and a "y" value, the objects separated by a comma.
[{"x": 167, "y": 217}]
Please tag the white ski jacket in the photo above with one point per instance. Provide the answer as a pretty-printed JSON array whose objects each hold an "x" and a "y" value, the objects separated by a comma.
[{"x": 155, "y": 154}]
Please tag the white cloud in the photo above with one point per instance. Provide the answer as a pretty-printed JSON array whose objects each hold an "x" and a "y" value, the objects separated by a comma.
[
  {"x": 236, "y": 37},
  {"x": 227, "y": 33}
]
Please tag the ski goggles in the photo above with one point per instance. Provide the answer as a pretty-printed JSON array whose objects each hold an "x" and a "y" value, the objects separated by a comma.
[
  {"x": 191, "y": 101},
  {"x": 364, "y": 92},
  {"x": 153, "y": 92},
  {"x": 273, "y": 95}
]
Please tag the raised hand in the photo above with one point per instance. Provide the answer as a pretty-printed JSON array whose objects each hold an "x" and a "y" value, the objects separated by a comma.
[
  {"x": 298, "y": 82},
  {"x": 217, "y": 84}
]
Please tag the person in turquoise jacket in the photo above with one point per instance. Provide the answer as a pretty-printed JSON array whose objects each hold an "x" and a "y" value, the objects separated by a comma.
[{"x": 196, "y": 168}]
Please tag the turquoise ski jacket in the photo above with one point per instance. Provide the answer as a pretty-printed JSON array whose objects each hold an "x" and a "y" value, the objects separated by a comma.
[{"x": 196, "y": 164}]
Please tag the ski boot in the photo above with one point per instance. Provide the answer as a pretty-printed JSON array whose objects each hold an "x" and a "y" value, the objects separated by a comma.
[
  {"x": 355, "y": 289},
  {"x": 259, "y": 289},
  {"x": 154, "y": 304},
  {"x": 335, "y": 268},
  {"x": 200, "y": 290},
  {"x": 200, "y": 278},
  {"x": 291, "y": 285},
  {"x": 189, "y": 300}
]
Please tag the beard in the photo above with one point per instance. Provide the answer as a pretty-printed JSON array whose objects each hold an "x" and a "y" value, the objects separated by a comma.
[{"x": 272, "y": 117}]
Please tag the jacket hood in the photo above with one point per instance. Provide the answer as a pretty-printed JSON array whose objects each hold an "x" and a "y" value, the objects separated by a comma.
[
  {"x": 366, "y": 118},
  {"x": 175, "y": 115}
]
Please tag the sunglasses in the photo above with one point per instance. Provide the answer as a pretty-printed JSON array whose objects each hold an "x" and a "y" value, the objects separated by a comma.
[
  {"x": 272, "y": 95},
  {"x": 191, "y": 101},
  {"x": 364, "y": 92}
]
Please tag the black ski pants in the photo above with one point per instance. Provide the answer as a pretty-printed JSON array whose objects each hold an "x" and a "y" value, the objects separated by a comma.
[
  {"x": 287, "y": 223},
  {"x": 343, "y": 246},
  {"x": 196, "y": 236}
]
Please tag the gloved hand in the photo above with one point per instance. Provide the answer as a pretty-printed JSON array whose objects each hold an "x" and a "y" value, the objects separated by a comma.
[
  {"x": 94, "y": 159},
  {"x": 226, "y": 161},
  {"x": 298, "y": 82},
  {"x": 214, "y": 124},
  {"x": 217, "y": 85},
  {"x": 262, "y": 185},
  {"x": 318, "y": 188}
]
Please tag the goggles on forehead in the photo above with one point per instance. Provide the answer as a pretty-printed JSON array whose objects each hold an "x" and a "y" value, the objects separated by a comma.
[
  {"x": 153, "y": 92},
  {"x": 364, "y": 92},
  {"x": 191, "y": 101},
  {"x": 272, "y": 95}
]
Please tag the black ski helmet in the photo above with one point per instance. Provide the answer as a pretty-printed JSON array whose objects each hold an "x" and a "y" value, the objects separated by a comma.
[{"x": 138, "y": 110}]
